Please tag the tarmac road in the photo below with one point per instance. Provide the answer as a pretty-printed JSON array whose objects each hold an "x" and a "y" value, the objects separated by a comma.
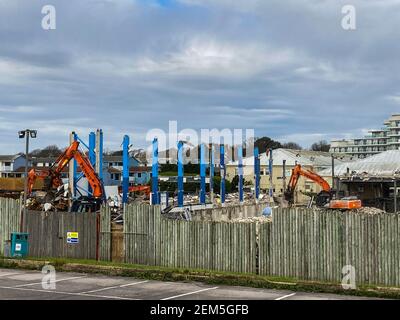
[{"x": 27, "y": 285}]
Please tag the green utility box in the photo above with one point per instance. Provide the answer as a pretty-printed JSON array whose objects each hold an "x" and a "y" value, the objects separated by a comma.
[{"x": 19, "y": 244}]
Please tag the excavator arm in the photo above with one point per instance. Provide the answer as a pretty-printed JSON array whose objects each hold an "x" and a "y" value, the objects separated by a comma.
[
  {"x": 54, "y": 172},
  {"x": 90, "y": 174},
  {"x": 294, "y": 179}
]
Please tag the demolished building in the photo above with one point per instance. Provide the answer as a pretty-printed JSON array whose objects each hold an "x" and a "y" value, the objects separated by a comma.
[
  {"x": 374, "y": 180},
  {"x": 284, "y": 160}
]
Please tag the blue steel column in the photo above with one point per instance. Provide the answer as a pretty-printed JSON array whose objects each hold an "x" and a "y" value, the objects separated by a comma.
[
  {"x": 92, "y": 154},
  {"x": 92, "y": 146},
  {"x": 257, "y": 173},
  {"x": 75, "y": 171},
  {"x": 180, "y": 174},
  {"x": 212, "y": 174},
  {"x": 240, "y": 173},
  {"x": 223, "y": 173},
  {"x": 202, "y": 174},
  {"x": 125, "y": 169},
  {"x": 101, "y": 155},
  {"x": 154, "y": 173}
]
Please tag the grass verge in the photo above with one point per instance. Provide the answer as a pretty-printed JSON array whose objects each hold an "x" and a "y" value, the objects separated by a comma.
[{"x": 205, "y": 276}]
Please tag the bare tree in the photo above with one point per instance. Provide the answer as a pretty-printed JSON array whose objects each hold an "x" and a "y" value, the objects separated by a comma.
[
  {"x": 321, "y": 145},
  {"x": 292, "y": 145}
]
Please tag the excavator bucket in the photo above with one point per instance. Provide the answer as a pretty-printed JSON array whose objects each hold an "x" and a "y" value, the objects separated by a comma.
[{"x": 345, "y": 204}]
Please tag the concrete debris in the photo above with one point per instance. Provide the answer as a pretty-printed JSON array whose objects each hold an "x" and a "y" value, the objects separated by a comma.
[
  {"x": 363, "y": 210},
  {"x": 262, "y": 219},
  {"x": 368, "y": 210}
]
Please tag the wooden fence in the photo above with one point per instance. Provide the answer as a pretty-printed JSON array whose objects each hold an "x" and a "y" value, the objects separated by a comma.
[
  {"x": 153, "y": 240},
  {"x": 316, "y": 245},
  {"x": 105, "y": 234},
  {"x": 301, "y": 243},
  {"x": 10, "y": 218},
  {"x": 48, "y": 234}
]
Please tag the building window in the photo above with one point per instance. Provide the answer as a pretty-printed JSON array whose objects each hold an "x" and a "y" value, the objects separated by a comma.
[
  {"x": 116, "y": 176},
  {"x": 7, "y": 164},
  {"x": 139, "y": 175}
]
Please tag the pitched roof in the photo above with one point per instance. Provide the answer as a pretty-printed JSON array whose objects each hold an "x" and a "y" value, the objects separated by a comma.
[
  {"x": 113, "y": 170},
  {"x": 11, "y": 157},
  {"x": 22, "y": 169},
  {"x": 140, "y": 169},
  {"x": 385, "y": 164},
  {"x": 302, "y": 157},
  {"x": 108, "y": 158}
]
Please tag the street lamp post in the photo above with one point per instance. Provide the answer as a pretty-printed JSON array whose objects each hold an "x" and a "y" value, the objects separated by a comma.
[{"x": 27, "y": 133}]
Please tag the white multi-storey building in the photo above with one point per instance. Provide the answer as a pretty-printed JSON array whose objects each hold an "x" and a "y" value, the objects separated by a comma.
[{"x": 386, "y": 138}]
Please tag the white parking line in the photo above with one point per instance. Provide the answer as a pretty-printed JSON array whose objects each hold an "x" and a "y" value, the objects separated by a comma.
[
  {"x": 287, "y": 296},
  {"x": 32, "y": 284},
  {"x": 9, "y": 274},
  {"x": 69, "y": 293},
  {"x": 189, "y": 293},
  {"x": 116, "y": 287}
]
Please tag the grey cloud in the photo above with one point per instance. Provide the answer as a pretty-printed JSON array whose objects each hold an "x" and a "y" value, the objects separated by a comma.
[{"x": 284, "y": 68}]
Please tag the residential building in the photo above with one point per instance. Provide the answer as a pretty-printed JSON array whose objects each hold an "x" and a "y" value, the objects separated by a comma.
[
  {"x": 379, "y": 140},
  {"x": 9, "y": 164},
  {"x": 139, "y": 175},
  {"x": 43, "y": 161}
]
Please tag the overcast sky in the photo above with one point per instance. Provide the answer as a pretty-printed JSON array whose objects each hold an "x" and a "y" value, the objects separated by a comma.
[{"x": 286, "y": 68}]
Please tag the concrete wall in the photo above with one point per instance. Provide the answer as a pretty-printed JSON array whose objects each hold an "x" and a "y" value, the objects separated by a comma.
[{"x": 228, "y": 213}]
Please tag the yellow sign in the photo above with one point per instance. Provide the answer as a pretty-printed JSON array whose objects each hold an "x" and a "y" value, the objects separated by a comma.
[{"x": 72, "y": 237}]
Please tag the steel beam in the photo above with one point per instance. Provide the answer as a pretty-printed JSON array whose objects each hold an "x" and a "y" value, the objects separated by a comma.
[
  {"x": 180, "y": 174},
  {"x": 222, "y": 172},
  {"x": 211, "y": 150},
  {"x": 154, "y": 174},
  {"x": 202, "y": 174},
  {"x": 240, "y": 173},
  {"x": 125, "y": 169}
]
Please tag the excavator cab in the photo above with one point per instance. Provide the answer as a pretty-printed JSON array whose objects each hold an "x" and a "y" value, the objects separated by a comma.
[
  {"x": 86, "y": 204},
  {"x": 323, "y": 198}
]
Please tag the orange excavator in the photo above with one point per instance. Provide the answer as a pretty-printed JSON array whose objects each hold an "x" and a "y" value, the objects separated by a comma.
[
  {"x": 140, "y": 189},
  {"x": 52, "y": 175},
  {"x": 324, "y": 198}
]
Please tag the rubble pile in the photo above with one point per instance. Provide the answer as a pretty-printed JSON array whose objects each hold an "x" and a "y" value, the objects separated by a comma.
[
  {"x": 41, "y": 203},
  {"x": 262, "y": 219},
  {"x": 363, "y": 210},
  {"x": 369, "y": 210},
  {"x": 230, "y": 199}
]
